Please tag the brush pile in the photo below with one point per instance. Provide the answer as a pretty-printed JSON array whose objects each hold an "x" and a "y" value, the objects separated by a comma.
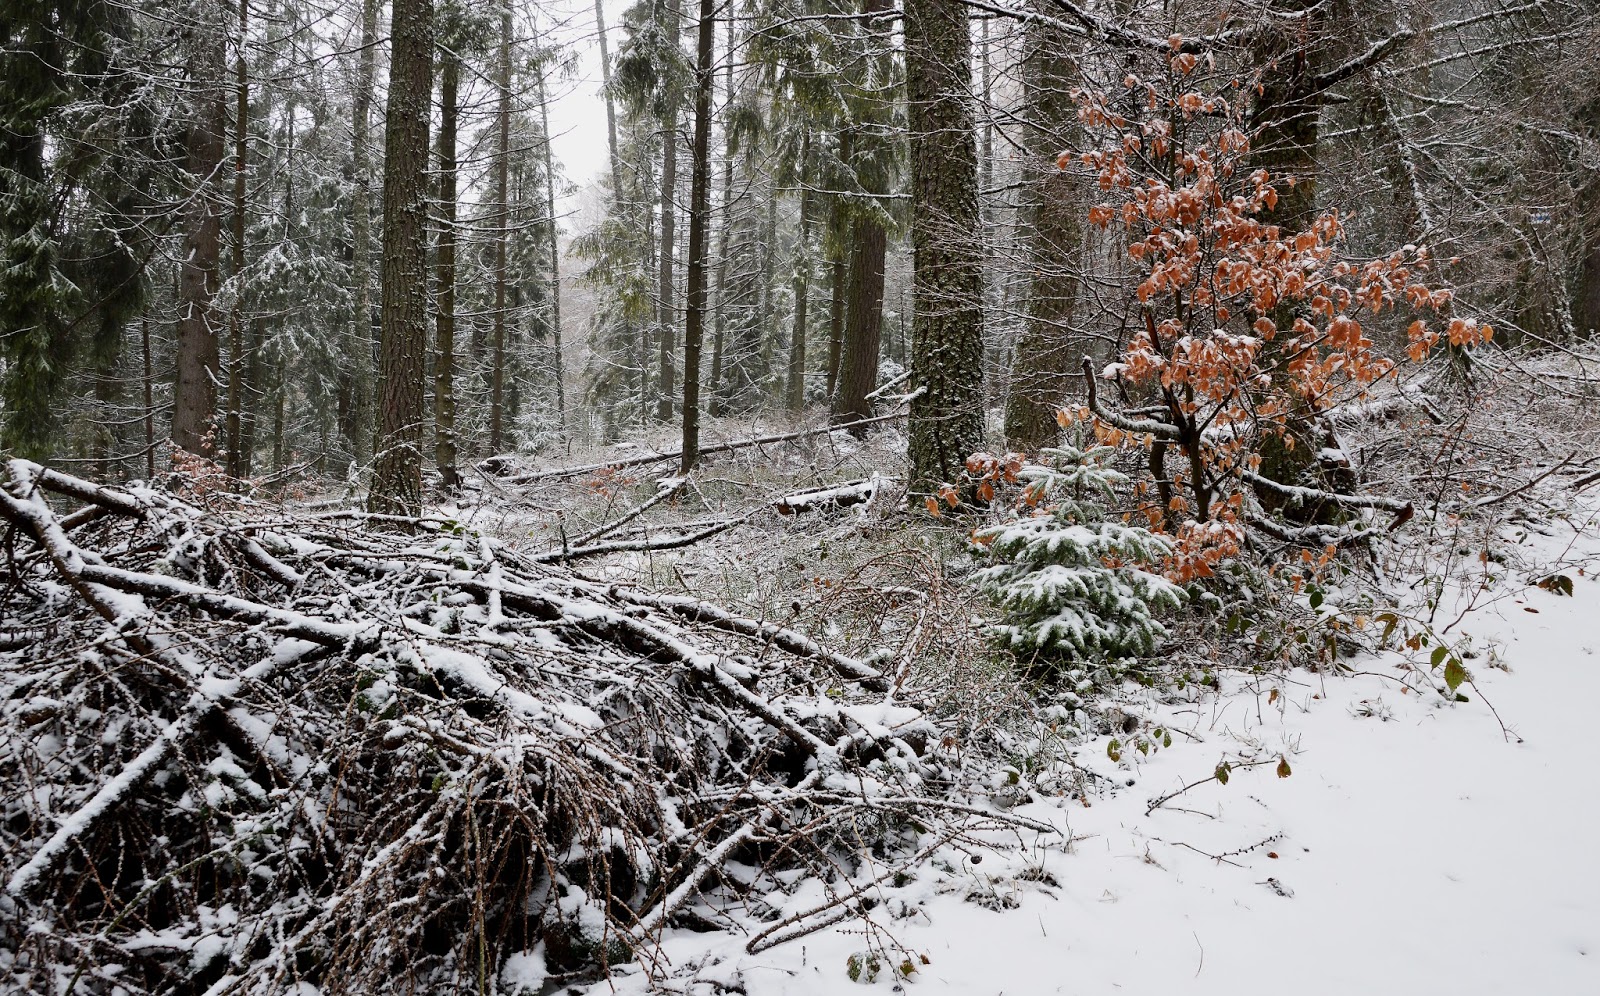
[{"x": 246, "y": 751}]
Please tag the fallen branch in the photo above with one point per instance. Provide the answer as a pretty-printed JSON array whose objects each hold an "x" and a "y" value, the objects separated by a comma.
[
  {"x": 640, "y": 461},
  {"x": 382, "y": 724},
  {"x": 634, "y": 546},
  {"x": 670, "y": 488},
  {"x": 837, "y": 495}
]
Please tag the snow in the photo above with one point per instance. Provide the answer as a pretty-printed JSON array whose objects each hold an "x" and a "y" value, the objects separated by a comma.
[
  {"x": 1412, "y": 848},
  {"x": 524, "y": 973}
]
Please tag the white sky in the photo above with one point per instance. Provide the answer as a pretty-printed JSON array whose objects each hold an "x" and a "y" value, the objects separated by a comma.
[{"x": 577, "y": 111}]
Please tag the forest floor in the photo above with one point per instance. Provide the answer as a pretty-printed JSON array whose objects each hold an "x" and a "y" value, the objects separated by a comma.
[
  {"x": 1370, "y": 773},
  {"x": 1412, "y": 845}
]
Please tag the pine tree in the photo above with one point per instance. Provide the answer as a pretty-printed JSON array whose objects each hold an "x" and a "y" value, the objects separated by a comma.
[{"x": 1078, "y": 590}]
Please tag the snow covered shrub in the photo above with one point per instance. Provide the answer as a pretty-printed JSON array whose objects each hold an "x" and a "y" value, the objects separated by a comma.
[
  {"x": 1254, "y": 322},
  {"x": 1076, "y": 587}
]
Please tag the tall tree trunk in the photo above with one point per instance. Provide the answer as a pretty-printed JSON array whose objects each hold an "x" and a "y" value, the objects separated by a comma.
[
  {"x": 252, "y": 380},
  {"x": 107, "y": 392},
  {"x": 715, "y": 389},
  {"x": 699, "y": 209},
  {"x": 946, "y": 420},
  {"x": 149, "y": 402},
  {"x": 666, "y": 314},
  {"x": 863, "y": 302},
  {"x": 858, "y": 367},
  {"x": 1587, "y": 303},
  {"x": 1043, "y": 363},
  {"x": 502, "y": 206},
  {"x": 397, "y": 477},
  {"x": 194, "y": 400},
  {"x": 1287, "y": 111},
  {"x": 794, "y": 393},
  {"x": 837, "y": 275},
  {"x": 611, "y": 104},
  {"x": 355, "y": 384},
  {"x": 1284, "y": 129},
  {"x": 555, "y": 263},
  {"x": 444, "y": 363},
  {"x": 767, "y": 324},
  {"x": 647, "y": 358},
  {"x": 238, "y": 460}
]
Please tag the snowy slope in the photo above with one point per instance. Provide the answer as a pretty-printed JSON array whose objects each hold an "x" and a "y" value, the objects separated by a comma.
[{"x": 1422, "y": 852}]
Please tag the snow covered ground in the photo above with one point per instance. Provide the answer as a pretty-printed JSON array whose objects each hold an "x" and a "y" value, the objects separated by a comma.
[{"x": 1412, "y": 849}]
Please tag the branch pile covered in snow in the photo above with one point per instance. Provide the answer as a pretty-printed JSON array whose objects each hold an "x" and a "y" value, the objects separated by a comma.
[{"x": 246, "y": 751}]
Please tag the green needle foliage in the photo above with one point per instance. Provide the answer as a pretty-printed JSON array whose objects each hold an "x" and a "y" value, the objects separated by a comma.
[{"x": 1074, "y": 585}]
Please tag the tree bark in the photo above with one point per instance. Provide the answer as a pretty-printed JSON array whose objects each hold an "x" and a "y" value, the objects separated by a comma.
[
  {"x": 715, "y": 389},
  {"x": 836, "y": 298},
  {"x": 555, "y": 263},
  {"x": 355, "y": 386},
  {"x": 502, "y": 204},
  {"x": 194, "y": 401},
  {"x": 444, "y": 363},
  {"x": 611, "y": 104},
  {"x": 666, "y": 315},
  {"x": 699, "y": 204},
  {"x": 1043, "y": 363},
  {"x": 149, "y": 402},
  {"x": 238, "y": 460},
  {"x": 946, "y": 417},
  {"x": 794, "y": 393},
  {"x": 397, "y": 477},
  {"x": 858, "y": 367},
  {"x": 1283, "y": 141}
]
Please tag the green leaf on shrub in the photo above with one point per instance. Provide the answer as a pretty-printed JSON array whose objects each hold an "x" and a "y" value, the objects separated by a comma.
[
  {"x": 1454, "y": 674},
  {"x": 1439, "y": 654},
  {"x": 1222, "y": 772}
]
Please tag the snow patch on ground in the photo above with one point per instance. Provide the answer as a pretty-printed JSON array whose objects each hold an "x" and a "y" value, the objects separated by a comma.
[{"x": 1413, "y": 848}]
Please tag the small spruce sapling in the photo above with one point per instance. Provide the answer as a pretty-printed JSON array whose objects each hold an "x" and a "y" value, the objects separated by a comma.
[{"x": 1074, "y": 585}]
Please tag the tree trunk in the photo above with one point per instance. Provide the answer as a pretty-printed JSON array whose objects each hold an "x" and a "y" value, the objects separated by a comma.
[
  {"x": 444, "y": 363},
  {"x": 716, "y": 389},
  {"x": 767, "y": 324},
  {"x": 397, "y": 477},
  {"x": 946, "y": 419},
  {"x": 699, "y": 204},
  {"x": 859, "y": 146},
  {"x": 238, "y": 460},
  {"x": 355, "y": 386},
  {"x": 252, "y": 381},
  {"x": 858, "y": 368},
  {"x": 502, "y": 204},
  {"x": 555, "y": 263},
  {"x": 611, "y": 104},
  {"x": 149, "y": 403},
  {"x": 794, "y": 393},
  {"x": 1043, "y": 364},
  {"x": 194, "y": 400},
  {"x": 836, "y": 299},
  {"x": 666, "y": 317},
  {"x": 1587, "y": 305},
  {"x": 1283, "y": 135}
]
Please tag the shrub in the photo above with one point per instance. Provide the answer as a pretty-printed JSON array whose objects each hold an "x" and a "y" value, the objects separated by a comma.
[{"x": 1076, "y": 588}]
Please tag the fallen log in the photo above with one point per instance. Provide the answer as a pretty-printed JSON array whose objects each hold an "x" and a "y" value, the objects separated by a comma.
[{"x": 494, "y": 466}]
